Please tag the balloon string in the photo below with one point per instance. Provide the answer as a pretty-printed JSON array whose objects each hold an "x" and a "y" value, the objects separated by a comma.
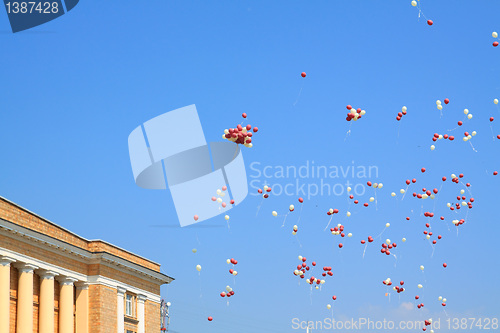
[
  {"x": 364, "y": 251},
  {"x": 258, "y": 207},
  {"x": 406, "y": 190},
  {"x": 376, "y": 204},
  {"x": 300, "y": 245},
  {"x": 395, "y": 262},
  {"x": 474, "y": 149},
  {"x": 300, "y": 92},
  {"x": 492, "y": 134},
  {"x": 285, "y": 220},
  {"x": 329, "y": 222},
  {"x": 300, "y": 213},
  {"x": 381, "y": 233},
  {"x": 199, "y": 279}
]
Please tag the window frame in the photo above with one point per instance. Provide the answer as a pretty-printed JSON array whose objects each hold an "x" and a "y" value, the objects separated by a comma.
[{"x": 130, "y": 299}]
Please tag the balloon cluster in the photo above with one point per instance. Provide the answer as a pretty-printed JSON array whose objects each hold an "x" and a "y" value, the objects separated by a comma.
[
  {"x": 494, "y": 34},
  {"x": 303, "y": 268},
  {"x": 354, "y": 114},
  {"x": 221, "y": 194},
  {"x": 402, "y": 113},
  {"x": 267, "y": 189},
  {"x": 387, "y": 246},
  {"x": 443, "y": 300},
  {"x": 234, "y": 262},
  {"x": 240, "y": 135}
]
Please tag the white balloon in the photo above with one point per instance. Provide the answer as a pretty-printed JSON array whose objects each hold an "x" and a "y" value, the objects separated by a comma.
[
  {"x": 222, "y": 194},
  {"x": 295, "y": 227},
  {"x": 494, "y": 34},
  {"x": 380, "y": 185},
  {"x": 440, "y": 136},
  {"x": 474, "y": 133},
  {"x": 235, "y": 273},
  {"x": 428, "y": 236},
  {"x": 414, "y": 3},
  {"x": 404, "y": 109},
  {"x": 432, "y": 196},
  {"x": 375, "y": 185},
  {"x": 433, "y": 147},
  {"x": 420, "y": 286},
  {"x": 495, "y": 101},
  {"x": 404, "y": 239},
  {"x": 464, "y": 203},
  {"x": 438, "y": 102},
  {"x": 226, "y": 217},
  {"x": 448, "y": 205},
  {"x": 387, "y": 225},
  {"x": 198, "y": 268},
  {"x": 219, "y": 192},
  {"x": 388, "y": 241},
  {"x": 349, "y": 235},
  {"x": 226, "y": 131},
  {"x": 316, "y": 287},
  {"x": 466, "y": 111},
  {"x": 296, "y": 272},
  {"x": 266, "y": 187},
  {"x": 363, "y": 112},
  {"x": 372, "y": 199},
  {"x": 228, "y": 288},
  {"x": 292, "y": 207},
  {"x": 421, "y": 267},
  {"x": 328, "y": 306},
  {"x": 308, "y": 281},
  {"x": 194, "y": 250},
  {"x": 469, "y": 116},
  {"x": 228, "y": 261},
  {"x": 466, "y": 138},
  {"x": 462, "y": 191},
  {"x": 300, "y": 258},
  {"x": 440, "y": 298},
  {"x": 219, "y": 200},
  {"x": 275, "y": 213},
  {"x": 402, "y": 191},
  {"x": 453, "y": 175},
  {"x": 224, "y": 136},
  {"x": 349, "y": 189},
  {"x": 393, "y": 194},
  {"x": 348, "y": 214},
  {"x": 294, "y": 232},
  {"x": 444, "y": 300},
  {"x": 424, "y": 196},
  {"x": 440, "y": 107}
]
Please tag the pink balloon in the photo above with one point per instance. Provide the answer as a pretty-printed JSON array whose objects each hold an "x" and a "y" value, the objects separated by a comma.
[{"x": 196, "y": 217}]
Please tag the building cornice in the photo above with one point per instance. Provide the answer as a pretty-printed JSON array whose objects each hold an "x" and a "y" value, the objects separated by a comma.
[{"x": 37, "y": 239}]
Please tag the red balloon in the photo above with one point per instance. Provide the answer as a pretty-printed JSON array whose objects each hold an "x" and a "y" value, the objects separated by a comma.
[
  {"x": 334, "y": 297},
  {"x": 439, "y": 236},
  {"x": 210, "y": 318},
  {"x": 369, "y": 183},
  {"x": 255, "y": 129},
  {"x": 363, "y": 241},
  {"x": 303, "y": 74},
  {"x": 314, "y": 263},
  {"x": 349, "y": 107},
  {"x": 491, "y": 118},
  {"x": 301, "y": 200},
  {"x": 423, "y": 169},
  {"x": 495, "y": 173},
  {"x": 370, "y": 239},
  {"x": 451, "y": 138},
  {"x": 231, "y": 202},
  {"x": 460, "y": 123},
  {"x": 417, "y": 297},
  {"x": 446, "y": 101},
  {"x": 244, "y": 115},
  {"x": 445, "y": 265},
  {"x": 495, "y": 43},
  {"x": 340, "y": 245},
  {"x": 429, "y": 22},
  {"x": 414, "y": 180}
]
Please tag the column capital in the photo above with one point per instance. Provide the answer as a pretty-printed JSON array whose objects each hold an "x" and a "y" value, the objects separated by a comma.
[
  {"x": 141, "y": 298},
  {"x": 46, "y": 274},
  {"x": 23, "y": 267},
  {"x": 121, "y": 291},
  {"x": 66, "y": 280},
  {"x": 80, "y": 285},
  {"x": 6, "y": 261}
]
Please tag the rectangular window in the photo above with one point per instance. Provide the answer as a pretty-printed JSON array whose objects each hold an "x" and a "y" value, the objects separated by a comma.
[{"x": 130, "y": 305}]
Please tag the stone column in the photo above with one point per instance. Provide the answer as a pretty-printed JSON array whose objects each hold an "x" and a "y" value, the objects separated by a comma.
[
  {"x": 46, "y": 309},
  {"x": 120, "y": 309},
  {"x": 82, "y": 307},
  {"x": 25, "y": 298},
  {"x": 5, "y": 293},
  {"x": 140, "y": 314},
  {"x": 66, "y": 317}
]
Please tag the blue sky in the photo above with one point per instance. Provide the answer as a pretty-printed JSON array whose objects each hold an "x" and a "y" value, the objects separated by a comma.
[{"x": 73, "y": 89}]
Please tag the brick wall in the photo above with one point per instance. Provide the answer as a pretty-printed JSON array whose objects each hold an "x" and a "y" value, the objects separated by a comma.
[
  {"x": 152, "y": 317},
  {"x": 102, "y": 309}
]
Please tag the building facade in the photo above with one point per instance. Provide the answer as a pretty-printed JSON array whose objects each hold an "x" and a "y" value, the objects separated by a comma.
[{"x": 54, "y": 281}]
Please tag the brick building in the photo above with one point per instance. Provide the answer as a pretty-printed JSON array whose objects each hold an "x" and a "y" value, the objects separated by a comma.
[{"x": 53, "y": 281}]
